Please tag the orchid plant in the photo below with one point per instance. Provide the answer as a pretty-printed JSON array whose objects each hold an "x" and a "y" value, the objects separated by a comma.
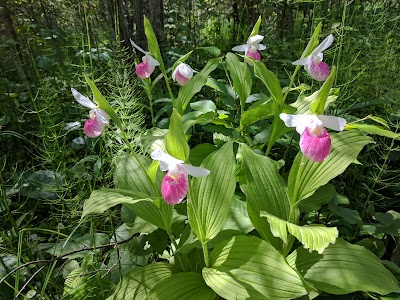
[{"x": 232, "y": 227}]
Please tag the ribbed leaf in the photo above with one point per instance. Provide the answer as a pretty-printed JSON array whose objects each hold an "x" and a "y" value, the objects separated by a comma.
[
  {"x": 129, "y": 175},
  {"x": 306, "y": 176},
  {"x": 210, "y": 197},
  {"x": 314, "y": 237},
  {"x": 313, "y": 42},
  {"x": 265, "y": 190},
  {"x": 101, "y": 200},
  {"x": 182, "y": 286},
  {"x": 322, "y": 196},
  {"x": 241, "y": 77},
  {"x": 137, "y": 283},
  {"x": 270, "y": 81},
  {"x": 195, "y": 84},
  {"x": 132, "y": 175},
  {"x": 373, "y": 129},
  {"x": 175, "y": 139},
  {"x": 250, "y": 268},
  {"x": 344, "y": 268}
]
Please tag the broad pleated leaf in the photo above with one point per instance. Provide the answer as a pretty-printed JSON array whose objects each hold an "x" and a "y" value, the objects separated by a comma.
[
  {"x": 373, "y": 129},
  {"x": 241, "y": 76},
  {"x": 175, "y": 139},
  {"x": 194, "y": 86},
  {"x": 271, "y": 82},
  {"x": 250, "y": 268},
  {"x": 305, "y": 176},
  {"x": 137, "y": 283},
  {"x": 210, "y": 197},
  {"x": 131, "y": 175},
  {"x": 182, "y": 286},
  {"x": 344, "y": 268},
  {"x": 322, "y": 196},
  {"x": 265, "y": 190},
  {"x": 103, "y": 199},
  {"x": 313, "y": 237}
]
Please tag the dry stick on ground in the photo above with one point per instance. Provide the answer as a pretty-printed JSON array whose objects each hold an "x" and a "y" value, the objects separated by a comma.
[{"x": 48, "y": 261}]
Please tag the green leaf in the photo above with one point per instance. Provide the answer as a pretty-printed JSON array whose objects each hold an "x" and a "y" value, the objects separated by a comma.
[
  {"x": 318, "y": 106},
  {"x": 200, "y": 152},
  {"x": 314, "y": 237},
  {"x": 152, "y": 43},
  {"x": 182, "y": 286},
  {"x": 129, "y": 175},
  {"x": 265, "y": 190},
  {"x": 271, "y": 82},
  {"x": 241, "y": 77},
  {"x": 204, "y": 106},
  {"x": 101, "y": 200},
  {"x": 102, "y": 102},
  {"x": 261, "y": 112},
  {"x": 321, "y": 196},
  {"x": 373, "y": 129},
  {"x": 175, "y": 139},
  {"x": 195, "y": 84},
  {"x": 181, "y": 59},
  {"x": 218, "y": 86},
  {"x": 239, "y": 218},
  {"x": 213, "y": 50},
  {"x": 350, "y": 215},
  {"x": 303, "y": 102},
  {"x": 250, "y": 268},
  {"x": 256, "y": 27},
  {"x": 306, "y": 176},
  {"x": 137, "y": 283},
  {"x": 313, "y": 43},
  {"x": 344, "y": 268},
  {"x": 210, "y": 197}
]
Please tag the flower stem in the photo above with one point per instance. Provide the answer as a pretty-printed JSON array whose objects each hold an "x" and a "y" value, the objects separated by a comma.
[{"x": 205, "y": 252}]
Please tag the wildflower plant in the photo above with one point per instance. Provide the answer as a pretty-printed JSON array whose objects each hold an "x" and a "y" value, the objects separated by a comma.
[{"x": 236, "y": 210}]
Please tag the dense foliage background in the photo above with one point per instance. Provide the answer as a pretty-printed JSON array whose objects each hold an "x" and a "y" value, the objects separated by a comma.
[{"x": 47, "y": 170}]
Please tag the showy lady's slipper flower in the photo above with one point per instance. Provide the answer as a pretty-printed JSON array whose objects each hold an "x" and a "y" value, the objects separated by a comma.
[
  {"x": 148, "y": 64},
  {"x": 182, "y": 73},
  {"x": 251, "y": 47},
  {"x": 175, "y": 183},
  {"x": 315, "y": 142},
  {"x": 315, "y": 67},
  {"x": 98, "y": 119}
]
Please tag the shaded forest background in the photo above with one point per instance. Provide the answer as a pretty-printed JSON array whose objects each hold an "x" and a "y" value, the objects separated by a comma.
[{"x": 46, "y": 171}]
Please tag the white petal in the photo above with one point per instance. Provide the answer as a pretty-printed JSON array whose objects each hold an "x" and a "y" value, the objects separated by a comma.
[
  {"x": 260, "y": 47},
  {"x": 195, "y": 171},
  {"x": 256, "y": 39},
  {"x": 173, "y": 73},
  {"x": 241, "y": 48},
  {"x": 325, "y": 44},
  {"x": 137, "y": 47},
  {"x": 166, "y": 160},
  {"x": 101, "y": 115},
  {"x": 302, "y": 61},
  {"x": 332, "y": 122},
  {"x": 185, "y": 70},
  {"x": 82, "y": 100},
  {"x": 153, "y": 61},
  {"x": 298, "y": 121}
]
